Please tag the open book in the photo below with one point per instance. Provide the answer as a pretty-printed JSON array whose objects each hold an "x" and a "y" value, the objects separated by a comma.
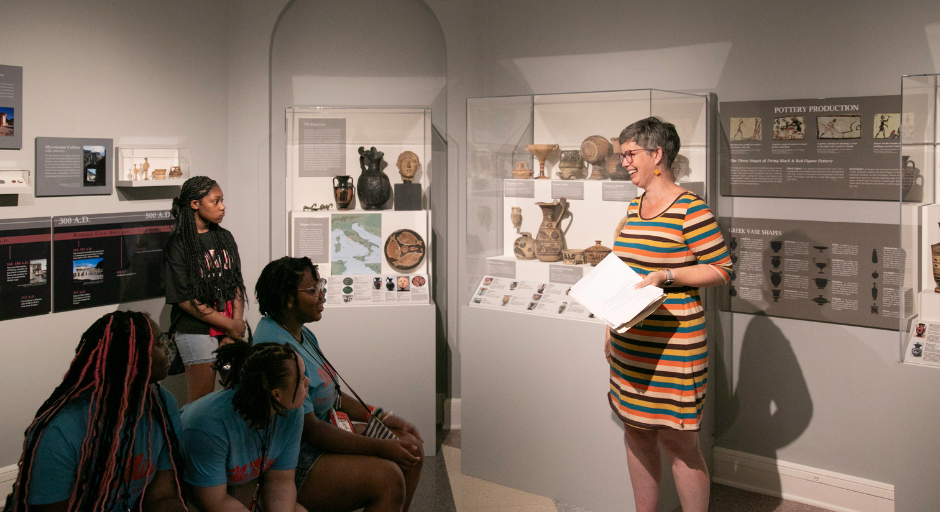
[{"x": 608, "y": 292}]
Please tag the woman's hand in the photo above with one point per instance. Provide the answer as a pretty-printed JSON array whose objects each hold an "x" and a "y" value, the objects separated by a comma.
[
  {"x": 399, "y": 452},
  {"x": 236, "y": 330},
  {"x": 399, "y": 423},
  {"x": 607, "y": 345},
  {"x": 652, "y": 279}
]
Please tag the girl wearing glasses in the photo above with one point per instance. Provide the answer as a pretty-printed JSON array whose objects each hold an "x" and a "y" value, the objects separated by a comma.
[
  {"x": 338, "y": 469},
  {"x": 658, "y": 369},
  {"x": 203, "y": 282}
]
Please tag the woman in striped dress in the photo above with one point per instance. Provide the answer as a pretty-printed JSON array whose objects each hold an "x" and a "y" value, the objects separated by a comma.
[{"x": 659, "y": 368}]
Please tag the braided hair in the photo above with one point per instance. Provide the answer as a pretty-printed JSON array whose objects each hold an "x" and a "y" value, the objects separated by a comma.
[
  {"x": 278, "y": 283},
  {"x": 210, "y": 285},
  {"x": 112, "y": 363},
  {"x": 255, "y": 371}
]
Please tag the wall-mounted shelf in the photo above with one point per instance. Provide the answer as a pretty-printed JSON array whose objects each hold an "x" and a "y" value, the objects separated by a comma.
[{"x": 159, "y": 159}]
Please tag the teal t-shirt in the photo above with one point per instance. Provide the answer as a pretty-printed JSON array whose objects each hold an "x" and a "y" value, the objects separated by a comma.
[
  {"x": 322, "y": 393},
  {"x": 222, "y": 448},
  {"x": 55, "y": 466}
]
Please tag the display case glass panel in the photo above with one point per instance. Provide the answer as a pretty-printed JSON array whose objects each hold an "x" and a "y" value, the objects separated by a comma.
[
  {"x": 920, "y": 222},
  {"x": 372, "y": 250},
  {"x": 502, "y": 197},
  {"x": 15, "y": 182}
]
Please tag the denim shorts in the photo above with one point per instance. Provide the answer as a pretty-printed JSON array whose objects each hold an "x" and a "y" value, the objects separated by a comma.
[
  {"x": 305, "y": 461},
  {"x": 196, "y": 348}
]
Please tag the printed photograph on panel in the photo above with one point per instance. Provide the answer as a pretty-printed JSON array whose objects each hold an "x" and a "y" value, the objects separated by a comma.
[
  {"x": 91, "y": 269},
  {"x": 789, "y": 128},
  {"x": 7, "y": 121},
  {"x": 95, "y": 165},
  {"x": 38, "y": 271},
  {"x": 746, "y": 128},
  {"x": 839, "y": 127},
  {"x": 887, "y": 126}
]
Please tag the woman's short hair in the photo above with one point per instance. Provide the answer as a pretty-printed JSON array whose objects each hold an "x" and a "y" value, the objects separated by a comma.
[
  {"x": 652, "y": 133},
  {"x": 278, "y": 282}
]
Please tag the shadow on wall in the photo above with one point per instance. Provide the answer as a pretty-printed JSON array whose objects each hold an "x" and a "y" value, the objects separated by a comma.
[{"x": 770, "y": 406}]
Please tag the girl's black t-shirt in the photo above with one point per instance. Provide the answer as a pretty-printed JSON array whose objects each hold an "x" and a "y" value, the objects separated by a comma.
[{"x": 178, "y": 290}]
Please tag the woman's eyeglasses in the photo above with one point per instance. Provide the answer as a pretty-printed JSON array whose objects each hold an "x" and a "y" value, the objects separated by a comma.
[
  {"x": 628, "y": 156},
  {"x": 316, "y": 289}
]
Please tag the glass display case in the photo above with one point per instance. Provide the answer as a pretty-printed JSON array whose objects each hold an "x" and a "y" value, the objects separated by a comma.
[
  {"x": 15, "y": 182},
  {"x": 920, "y": 222},
  {"x": 547, "y": 167},
  {"x": 358, "y": 201},
  {"x": 152, "y": 167}
]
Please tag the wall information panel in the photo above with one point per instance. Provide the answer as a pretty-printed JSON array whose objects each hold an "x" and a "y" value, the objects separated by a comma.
[
  {"x": 25, "y": 246},
  {"x": 824, "y": 271},
  {"x": 836, "y": 148},
  {"x": 108, "y": 258}
]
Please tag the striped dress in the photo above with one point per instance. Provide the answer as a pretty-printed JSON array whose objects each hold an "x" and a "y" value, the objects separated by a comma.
[{"x": 659, "y": 368}]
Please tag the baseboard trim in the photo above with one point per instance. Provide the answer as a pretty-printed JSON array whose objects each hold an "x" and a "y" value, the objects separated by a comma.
[
  {"x": 7, "y": 478},
  {"x": 796, "y": 482},
  {"x": 452, "y": 414}
]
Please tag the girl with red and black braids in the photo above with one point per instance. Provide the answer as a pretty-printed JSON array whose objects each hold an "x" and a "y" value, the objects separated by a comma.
[
  {"x": 106, "y": 439},
  {"x": 203, "y": 282}
]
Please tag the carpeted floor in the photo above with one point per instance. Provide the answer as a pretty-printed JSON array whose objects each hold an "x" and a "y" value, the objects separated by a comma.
[{"x": 444, "y": 489}]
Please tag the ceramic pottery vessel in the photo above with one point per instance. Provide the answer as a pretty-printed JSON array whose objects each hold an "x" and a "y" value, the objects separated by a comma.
[
  {"x": 374, "y": 189},
  {"x": 408, "y": 165},
  {"x": 404, "y": 250},
  {"x": 516, "y": 216},
  {"x": 541, "y": 152},
  {"x": 935, "y": 254},
  {"x": 571, "y": 166},
  {"x": 573, "y": 256},
  {"x": 521, "y": 171},
  {"x": 616, "y": 171},
  {"x": 596, "y": 253},
  {"x": 595, "y": 150},
  {"x": 551, "y": 239},
  {"x": 175, "y": 172},
  {"x": 343, "y": 191},
  {"x": 159, "y": 174},
  {"x": 524, "y": 247}
]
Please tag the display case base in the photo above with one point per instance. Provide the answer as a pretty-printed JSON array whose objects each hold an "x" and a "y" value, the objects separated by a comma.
[{"x": 407, "y": 196}]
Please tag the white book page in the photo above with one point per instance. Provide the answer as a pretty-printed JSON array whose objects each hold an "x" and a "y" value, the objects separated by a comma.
[{"x": 608, "y": 292}]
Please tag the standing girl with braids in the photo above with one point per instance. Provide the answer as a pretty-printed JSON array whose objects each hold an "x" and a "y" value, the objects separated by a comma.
[
  {"x": 203, "y": 282},
  {"x": 106, "y": 440},
  {"x": 241, "y": 443}
]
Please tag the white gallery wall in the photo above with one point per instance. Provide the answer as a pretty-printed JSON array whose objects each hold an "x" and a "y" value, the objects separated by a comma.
[
  {"x": 196, "y": 74},
  {"x": 141, "y": 73}
]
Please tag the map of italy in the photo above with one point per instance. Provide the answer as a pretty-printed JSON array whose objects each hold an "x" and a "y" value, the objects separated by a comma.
[{"x": 356, "y": 244}]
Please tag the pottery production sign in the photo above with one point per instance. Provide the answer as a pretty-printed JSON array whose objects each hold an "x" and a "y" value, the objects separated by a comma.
[
  {"x": 11, "y": 107},
  {"x": 322, "y": 147},
  {"x": 25, "y": 250},
  {"x": 108, "y": 258},
  {"x": 824, "y": 271},
  {"x": 836, "y": 148},
  {"x": 923, "y": 345},
  {"x": 537, "y": 298}
]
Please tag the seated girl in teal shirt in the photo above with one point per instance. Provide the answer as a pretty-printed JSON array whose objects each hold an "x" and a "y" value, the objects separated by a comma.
[
  {"x": 241, "y": 443},
  {"x": 77, "y": 456}
]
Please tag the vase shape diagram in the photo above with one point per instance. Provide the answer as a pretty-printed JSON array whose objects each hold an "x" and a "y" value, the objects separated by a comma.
[
  {"x": 775, "y": 278},
  {"x": 734, "y": 243},
  {"x": 874, "y": 291},
  {"x": 820, "y": 248},
  {"x": 874, "y": 255},
  {"x": 776, "y": 245},
  {"x": 732, "y": 292},
  {"x": 343, "y": 191},
  {"x": 551, "y": 239},
  {"x": 776, "y": 294},
  {"x": 821, "y": 282},
  {"x": 734, "y": 258},
  {"x": 821, "y": 300},
  {"x": 821, "y": 264},
  {"x": 775, "y": 261}
]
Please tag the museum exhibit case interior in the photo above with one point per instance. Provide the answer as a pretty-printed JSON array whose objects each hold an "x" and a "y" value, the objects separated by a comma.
[
  {"x": 533, "y": 367},
  {"x": 920, "y": 222},
  {"x": 358, "y": 197},
  {"x": 152, "y": 167},
  {"x": 15, "y": 182}
]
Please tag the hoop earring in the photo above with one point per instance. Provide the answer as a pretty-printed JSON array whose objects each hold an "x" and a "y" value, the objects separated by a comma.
[{"x": 656, "y": 172}]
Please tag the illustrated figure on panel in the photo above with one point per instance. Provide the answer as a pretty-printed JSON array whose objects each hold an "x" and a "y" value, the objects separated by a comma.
[
  {"x": 203, "y": 282},
  {"x": 658, "y": 368},
  {"x": 107, "y": 437},
  {"x": 339, "y": 468},
  {"x": 241, "y": 443}
]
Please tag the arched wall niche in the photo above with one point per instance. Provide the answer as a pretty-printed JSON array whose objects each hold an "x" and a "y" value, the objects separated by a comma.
[
  {"x": 355, "y": 53},
  {"x": 370, "y": 54}
]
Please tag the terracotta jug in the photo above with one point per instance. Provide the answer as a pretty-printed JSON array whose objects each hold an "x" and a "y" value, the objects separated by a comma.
[{"x": 551, "y": 239}]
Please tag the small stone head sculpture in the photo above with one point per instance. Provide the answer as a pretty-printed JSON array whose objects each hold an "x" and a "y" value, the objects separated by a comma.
[{"x": 408, "y": 165}]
